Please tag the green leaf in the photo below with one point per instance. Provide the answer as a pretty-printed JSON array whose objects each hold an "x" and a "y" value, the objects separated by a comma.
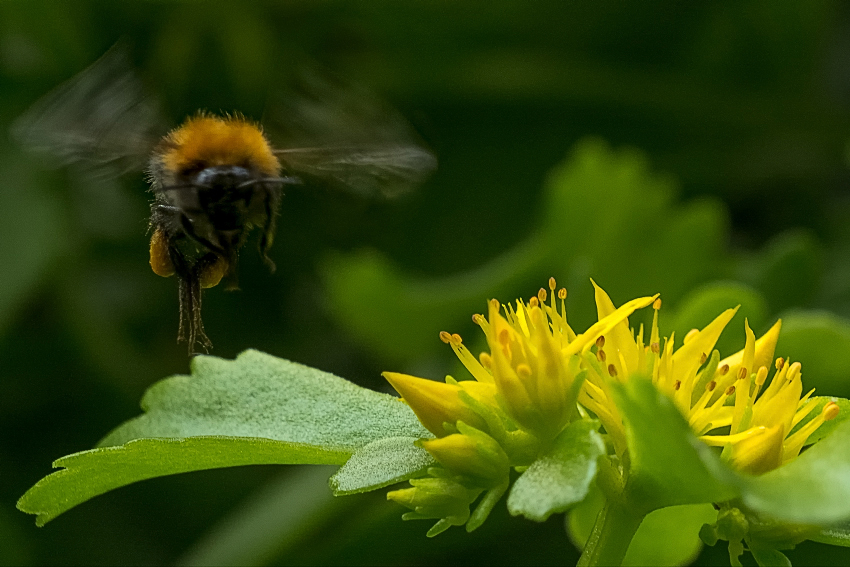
[
  {"x": 676, "y": 526},
  {"x": 91, "y": 473},
  {"x": 821, "y": 342},
  {"x": 669, "y": 465},
  {"x": 257, "y": 409},
  {"x": 789, "y": 269},
  {"x": 259, "y": 395},
  {"x": 769, "y": 557},
  {"x": 560, "y": 478},
  {"x": 812, "y": 489},
  {"x": 381, "y": 463}
]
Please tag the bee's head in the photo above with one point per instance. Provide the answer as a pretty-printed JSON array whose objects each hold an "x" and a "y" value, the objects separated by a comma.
[{"x": 209, "y": 150}]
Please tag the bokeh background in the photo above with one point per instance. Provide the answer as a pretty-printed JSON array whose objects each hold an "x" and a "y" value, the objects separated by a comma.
[{"x": 697, "y": 150}]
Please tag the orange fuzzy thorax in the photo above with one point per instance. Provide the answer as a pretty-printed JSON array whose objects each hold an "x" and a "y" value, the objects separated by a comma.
[{"x": 208, "y": 141}]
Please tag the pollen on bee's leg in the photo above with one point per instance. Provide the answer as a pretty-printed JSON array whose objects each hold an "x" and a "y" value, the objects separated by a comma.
[
  {"x": 211, "y": 275},
  {"x": 160, "y": 259}
]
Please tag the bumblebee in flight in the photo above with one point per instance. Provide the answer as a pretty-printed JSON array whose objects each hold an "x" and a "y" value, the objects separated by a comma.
[{"x": 217, "y": 178}]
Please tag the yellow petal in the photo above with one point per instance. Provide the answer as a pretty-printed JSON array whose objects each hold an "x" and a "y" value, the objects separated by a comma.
[
  {"x": 434, "y": 403},
  {"x": 619, "y": 339}
]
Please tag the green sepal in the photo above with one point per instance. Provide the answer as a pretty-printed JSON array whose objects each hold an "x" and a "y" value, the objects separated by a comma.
[
  {"x": 561, "y": 477},
  {"x": 379, "y": 464}
]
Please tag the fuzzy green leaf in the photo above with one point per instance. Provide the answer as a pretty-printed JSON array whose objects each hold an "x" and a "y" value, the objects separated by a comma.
[
  {"x": 669, "y": 465},
  {"x": 256, "y": 409},
  {"x": 259, "y": 395},
  {"x": 91, "y": 473},
  {"x": 381, "y": 463},
  {"x": 812, "y": 489},
  {"x": 835, "y": 535},
  {"x": 560, "y": 478}
]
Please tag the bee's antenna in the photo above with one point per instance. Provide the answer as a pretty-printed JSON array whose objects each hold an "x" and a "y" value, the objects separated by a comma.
[{"x": 289, "y": 180}]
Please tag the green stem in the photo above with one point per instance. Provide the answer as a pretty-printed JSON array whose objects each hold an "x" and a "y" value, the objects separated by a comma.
[{"x": 612, "y": 533}]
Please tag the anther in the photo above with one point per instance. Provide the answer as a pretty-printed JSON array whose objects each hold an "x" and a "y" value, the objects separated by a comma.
[
  {"x": 830, "y": 411},
  {"x": 552, "y": 284},
  {"x": 600, "y": 342},
  {"x": 541, "y": 295},
  {"x": 794, "y": 371},
  {"x": 655, "y": 347},
  {"x": 730, "y": 390},
  {"x": 703, "y": 358},
  {"x": 456, "y": 338},
  {"x": 485, "y": 360},
  {"x": 656, "y": 304},
  {"x": 445, "y": 337},
  {"x": 523, "y": 371},
  {"x": 677, "y": 384},
  {"x": 710, "y": 386},
  {"x": 494, "y": 304},
  {"x": 504, "y": 336},
  {"x": 612, "y": 370},
  {"x": 724, "y": 370},
  {"x": 690, "y": 336},
  {"x": 533, "y": 302},
  {"x": 478, "y": 319},
  {"x": 600, "y": 355},
  {"x": 742, "y": 373},
  {"x": 780, "y": 362},
  {"x": 761, "y": 375},
  {"x": 562, "y": 293}
]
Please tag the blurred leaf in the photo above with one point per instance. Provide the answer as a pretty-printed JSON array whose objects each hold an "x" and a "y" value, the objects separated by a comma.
[
  {"x": 812, "y": 489},
  {"x": 257, "y": 409},
  {"x": 701, "y": 306},
  {"x": 605, "y": 214},
  {"x": 91, "y": 473},
  {"x": 31, "y": 232},
  {"x": 560, "y": 478},
  {"x": 787, "y": 270},
  {"x": 273, "y": 520},
  {"x": 821, "y": 342},
  {"x": 381, "y": 463},
  {"x": 259, "y": 395},
  {"x": 669, "y": 466},
  {"x": 676, "y": 526}
]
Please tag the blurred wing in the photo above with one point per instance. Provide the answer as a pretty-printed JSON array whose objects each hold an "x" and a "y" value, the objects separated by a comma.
[
  {"x": 101, "y": 118},
  {"x": 388, "y": 171},
  {"x": 344, "y": 136}
]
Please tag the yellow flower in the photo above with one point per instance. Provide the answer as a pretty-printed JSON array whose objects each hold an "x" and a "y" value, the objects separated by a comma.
[{"x": 539, "y": 372}]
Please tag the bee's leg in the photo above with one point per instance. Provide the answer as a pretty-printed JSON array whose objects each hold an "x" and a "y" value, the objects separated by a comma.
[
  {"x": 191, "y": 327},
  {"x": 183, "y": 222},
  {"x": 272, "y": 205}
]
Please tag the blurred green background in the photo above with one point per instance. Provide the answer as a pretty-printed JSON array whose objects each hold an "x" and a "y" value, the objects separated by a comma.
[{"x": 699, "y": 151}]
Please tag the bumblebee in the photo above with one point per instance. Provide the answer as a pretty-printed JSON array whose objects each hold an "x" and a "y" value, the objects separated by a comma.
[{"x": 215, "y": 179}]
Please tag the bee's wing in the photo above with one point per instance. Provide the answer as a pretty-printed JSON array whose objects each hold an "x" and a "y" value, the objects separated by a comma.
[
  {"x": 102, "y": 118},
  {"x": 379, "y": 170},
  {"x": 344, "y": 136}
]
